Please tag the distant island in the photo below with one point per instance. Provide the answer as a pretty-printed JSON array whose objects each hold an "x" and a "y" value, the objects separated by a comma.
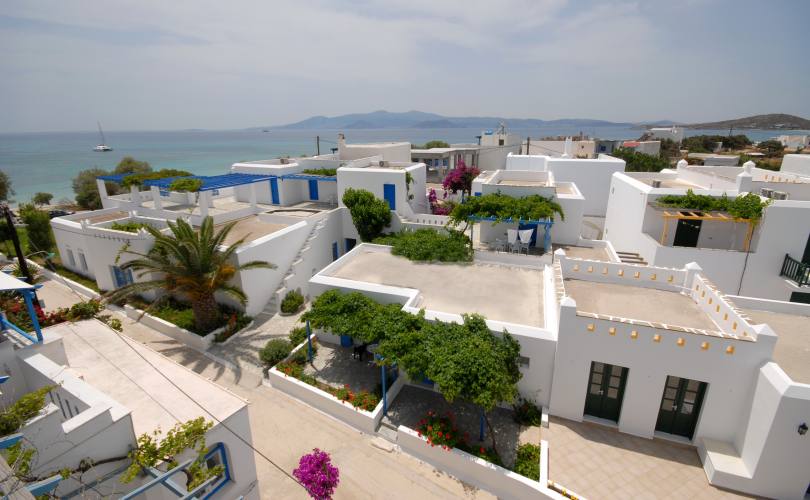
[
  {"x": 775, "y": 121},
  {"x": 419, "y": 119}
]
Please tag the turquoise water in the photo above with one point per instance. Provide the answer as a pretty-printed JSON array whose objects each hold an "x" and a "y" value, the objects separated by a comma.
[{"x": 48, "y": 161}]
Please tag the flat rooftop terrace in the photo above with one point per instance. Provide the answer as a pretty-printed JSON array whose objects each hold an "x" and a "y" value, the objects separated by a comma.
[
  {"x": 639, "y": 303},
  {"x": 500, "y": 293},
  {"x": 792, "y": 350},
  {"x": 130, "y": 373},
  {"x": 251, "y": 228}
]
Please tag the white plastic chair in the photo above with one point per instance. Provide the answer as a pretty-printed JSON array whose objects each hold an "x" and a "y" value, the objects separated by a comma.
[
  {"x": 512, "y": 240},
  {"x": 525, "y": 240}
]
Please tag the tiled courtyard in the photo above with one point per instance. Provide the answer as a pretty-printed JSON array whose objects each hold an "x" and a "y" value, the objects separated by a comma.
[
  {"x": 599, "y": 462},
  {"x": 335, "y": 366}
]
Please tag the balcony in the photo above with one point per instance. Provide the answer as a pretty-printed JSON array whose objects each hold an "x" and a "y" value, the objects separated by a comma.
[{"x": 796, "y": 271}]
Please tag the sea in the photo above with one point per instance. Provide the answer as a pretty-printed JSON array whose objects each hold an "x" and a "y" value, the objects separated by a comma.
[{"x": 47, "y": 161}]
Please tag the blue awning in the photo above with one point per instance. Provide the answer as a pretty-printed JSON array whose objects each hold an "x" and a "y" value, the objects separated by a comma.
[
  {"x": 112, "y": 177},
  {"x": 309, "y": 177},
  {"x": 213, "y": 182}
]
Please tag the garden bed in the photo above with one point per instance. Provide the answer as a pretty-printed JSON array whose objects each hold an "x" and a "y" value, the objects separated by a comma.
[
  {"x": 173, "y": 317},
  {"x": 476, "y": 471},
  {"x": 362, "y": 409}
]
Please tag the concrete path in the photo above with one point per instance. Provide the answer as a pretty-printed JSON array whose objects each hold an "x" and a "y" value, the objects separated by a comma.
[
  {"x": 283, "y": 429},
  {"x": 243, "y": 350}
]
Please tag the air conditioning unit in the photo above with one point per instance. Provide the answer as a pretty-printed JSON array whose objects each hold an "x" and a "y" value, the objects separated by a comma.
[
  {"x": 767, "y": 193},
  {"x": 383, "y": 164},
  {"x": 779, "y": 195},
  {"x": 656, "y": 183},
  {"x": 284, "y": 161}
]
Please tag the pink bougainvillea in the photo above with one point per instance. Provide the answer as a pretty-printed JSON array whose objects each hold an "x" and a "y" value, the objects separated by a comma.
[
  {"x": 317, "y": 474},
  {"x": 460, "y": 178}
]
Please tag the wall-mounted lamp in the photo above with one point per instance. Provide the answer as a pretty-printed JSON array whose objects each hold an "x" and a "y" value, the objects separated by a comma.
[{"x": 803, "y": 429}]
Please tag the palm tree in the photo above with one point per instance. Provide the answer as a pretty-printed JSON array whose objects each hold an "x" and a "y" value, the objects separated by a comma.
[{"x": 190, "y": 265}]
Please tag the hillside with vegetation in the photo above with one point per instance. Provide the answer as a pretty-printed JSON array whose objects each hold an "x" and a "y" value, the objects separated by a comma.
[{"x": 774, "y": 121}]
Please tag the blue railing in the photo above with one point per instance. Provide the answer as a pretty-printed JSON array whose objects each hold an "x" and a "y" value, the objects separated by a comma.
[
  {"x": 6, "y": 324},
  {"x": 795, "y": 270}
]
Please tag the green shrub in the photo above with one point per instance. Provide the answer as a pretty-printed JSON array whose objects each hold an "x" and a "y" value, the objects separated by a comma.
[
  {"x": 748, "y": 207},
  {"x": 527, "y": 461},
  {"x": 129, "y": 226},
  {"x": 292, "y": 302},
  {"x": 640, "y": 162},
  {"x": 24, "y": 409},
  {"x": 527, "y": 413},
  {"x": 370, "y": 214},
  {"x": 329, "y": 172},
  {"x": 275, "y": 351},
  {"x": 138, "y": 179},
  {"x": 84, "y": 310},
  {"x": 298, "y": 335},
  {"x": 38, "y": 226},
  {"x": 185, "y": 185},
  {"x": 430, "y": 245},
  {"x": 502, "y": 207}
]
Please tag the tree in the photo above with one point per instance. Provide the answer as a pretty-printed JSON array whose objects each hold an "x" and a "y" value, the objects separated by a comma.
[
  {"x": 38, "y": 227},
  {"x": 189, "y": 264},
  {"x": 5, "y": 187},
  {"x": 370, "y": 214},
  {"x": 84, "y": 185},
  {"x": 129, "y": 165},
  {"x": 433, "y": 144},
  {"x": 42, "y": 198},
  {"x": 771, "y": 147},
  {"x": 466, "y": 361},
  {"x": 460, "y": 178},
  {"x": 640, "y": 162},
  {"x": 669, "y": 149}
]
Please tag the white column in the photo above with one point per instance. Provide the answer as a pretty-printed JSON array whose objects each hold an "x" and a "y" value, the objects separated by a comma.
[
  {"x": 102, "y": 193},
  {"x": 205, "y": 199},
  {"x": 135, "y": 195},
  {"x": 156, "y": 198},
  {"x": 253, "y": 195}
]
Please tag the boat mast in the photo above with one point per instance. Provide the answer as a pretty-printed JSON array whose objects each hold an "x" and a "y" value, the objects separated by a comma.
[{"x": 101, "y": 133}]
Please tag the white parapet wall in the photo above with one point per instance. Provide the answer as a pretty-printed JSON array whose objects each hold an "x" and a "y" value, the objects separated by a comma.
[
  {"x": 473, "y": 470},
  {"x": 191, "y": 339}
]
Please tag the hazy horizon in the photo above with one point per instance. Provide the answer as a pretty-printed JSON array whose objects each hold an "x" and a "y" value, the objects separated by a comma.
[{"x": 217, "y": 66}]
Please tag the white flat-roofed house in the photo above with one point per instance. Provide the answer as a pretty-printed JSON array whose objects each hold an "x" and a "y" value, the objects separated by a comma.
[
  {"x": 763, "y": 259},
  {"x": 106, "y": 391},
  {"x": 658, "y": 352},
  {"x": 796, "y": 142},
  {"x": 673, "y": 133}
]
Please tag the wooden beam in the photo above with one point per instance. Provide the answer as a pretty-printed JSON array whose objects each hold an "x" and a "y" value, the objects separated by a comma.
[{"x": 664, "y": 231}]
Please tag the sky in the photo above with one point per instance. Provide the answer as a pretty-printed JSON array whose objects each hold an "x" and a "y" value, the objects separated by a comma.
[{"x": 164, "y": 65}]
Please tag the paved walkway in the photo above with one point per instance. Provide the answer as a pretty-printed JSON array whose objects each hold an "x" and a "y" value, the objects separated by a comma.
[
  {"x": 283, "y": 429},
  {"x": 601, "y": 463},
  {"x": 243, "y": 350}
]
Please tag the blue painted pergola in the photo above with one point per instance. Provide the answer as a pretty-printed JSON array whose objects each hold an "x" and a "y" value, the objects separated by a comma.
[
  {"x": 9, "y": 283},
  {"x": 546, "y": 223},
  {"x": 209, "y": 182},
  {"x": 309, "y": 177}
]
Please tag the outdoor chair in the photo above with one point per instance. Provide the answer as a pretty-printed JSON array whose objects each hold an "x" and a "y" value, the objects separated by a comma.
[
  {"x": 525, "y": 240},
  {"x": 499, "y": 245},
  {"x": 359, "y": 351},
  {"x": 512, "y": 240}
]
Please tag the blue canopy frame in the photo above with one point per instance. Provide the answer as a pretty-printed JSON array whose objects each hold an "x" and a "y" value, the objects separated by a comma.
[
  {"x": 309, "y": 177},
  {"x": 213, "y": 182},
  {"x": 10, "y": 283}
]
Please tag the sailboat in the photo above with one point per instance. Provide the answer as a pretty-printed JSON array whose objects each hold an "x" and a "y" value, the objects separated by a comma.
[{"x": 103, "y": 148}]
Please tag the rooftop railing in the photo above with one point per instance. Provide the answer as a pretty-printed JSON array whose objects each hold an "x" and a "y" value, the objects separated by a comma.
[{"x": 795, "y": 270}]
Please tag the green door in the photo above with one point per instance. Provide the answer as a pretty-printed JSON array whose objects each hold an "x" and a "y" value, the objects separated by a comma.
[
  {"x": 680, "y": 406},
  {"x": 605, "y": 391}
]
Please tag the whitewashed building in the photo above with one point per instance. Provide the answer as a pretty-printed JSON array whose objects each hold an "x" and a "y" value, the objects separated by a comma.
[
  {"x": 107, "y": 390},
  {"x": 768, "y": 259},
  {"x": 673, "y": 133}
]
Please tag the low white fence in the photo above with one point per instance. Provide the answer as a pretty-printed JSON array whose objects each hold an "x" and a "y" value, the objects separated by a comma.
[
  {"x": 365, "y": 421},
  {"x": 476, "y": 471},
  {"x": 191, "y": 339}
]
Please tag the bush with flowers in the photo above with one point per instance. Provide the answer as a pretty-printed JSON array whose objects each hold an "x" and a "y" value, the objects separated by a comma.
[
  {"x": 460, "y": 178},
  {"x": 364, "y": 400},
  {"x": 317, "y": 474},
  {"x": 442, "y": 431}
]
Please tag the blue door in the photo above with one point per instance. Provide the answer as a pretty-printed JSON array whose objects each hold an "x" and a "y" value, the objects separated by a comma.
[
  {"x": 349, "y": 243},
  {"x": 313, "y": 189},
  {"x": 274, "y": 190},
  {"x": 390, "y": 195},
  {"x": 335, "y": 253},
  {"x": 523, "y": 227}
]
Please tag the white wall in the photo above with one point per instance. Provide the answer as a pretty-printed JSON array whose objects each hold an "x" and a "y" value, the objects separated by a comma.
[
  {"x": 372, "y": 179},
  {"x": 797, "y": 164},
  {"x": 390, "y": 151},
  {"x": 591, "y": 177}
]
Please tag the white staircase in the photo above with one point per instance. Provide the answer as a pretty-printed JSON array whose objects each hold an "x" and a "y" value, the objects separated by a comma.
[{"x": 274, "y": 303}]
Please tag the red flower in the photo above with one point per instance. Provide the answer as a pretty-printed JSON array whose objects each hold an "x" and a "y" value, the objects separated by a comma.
[
  {"x": 481, "y": 449},
  {"x": 440, "y": 433},
  {"x": 430, "y": 427}
]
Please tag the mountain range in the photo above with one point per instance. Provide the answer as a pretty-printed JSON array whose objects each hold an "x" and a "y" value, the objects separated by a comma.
[
  {"x": 767, "y": 122},
  {"x": 419, "y": 119}
]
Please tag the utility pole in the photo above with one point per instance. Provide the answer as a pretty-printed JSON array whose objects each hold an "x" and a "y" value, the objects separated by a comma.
[
  {"x": 318, "y": 145},
  {"x": 17, "y": 248},
  {"x": 528, "y": 145}
]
